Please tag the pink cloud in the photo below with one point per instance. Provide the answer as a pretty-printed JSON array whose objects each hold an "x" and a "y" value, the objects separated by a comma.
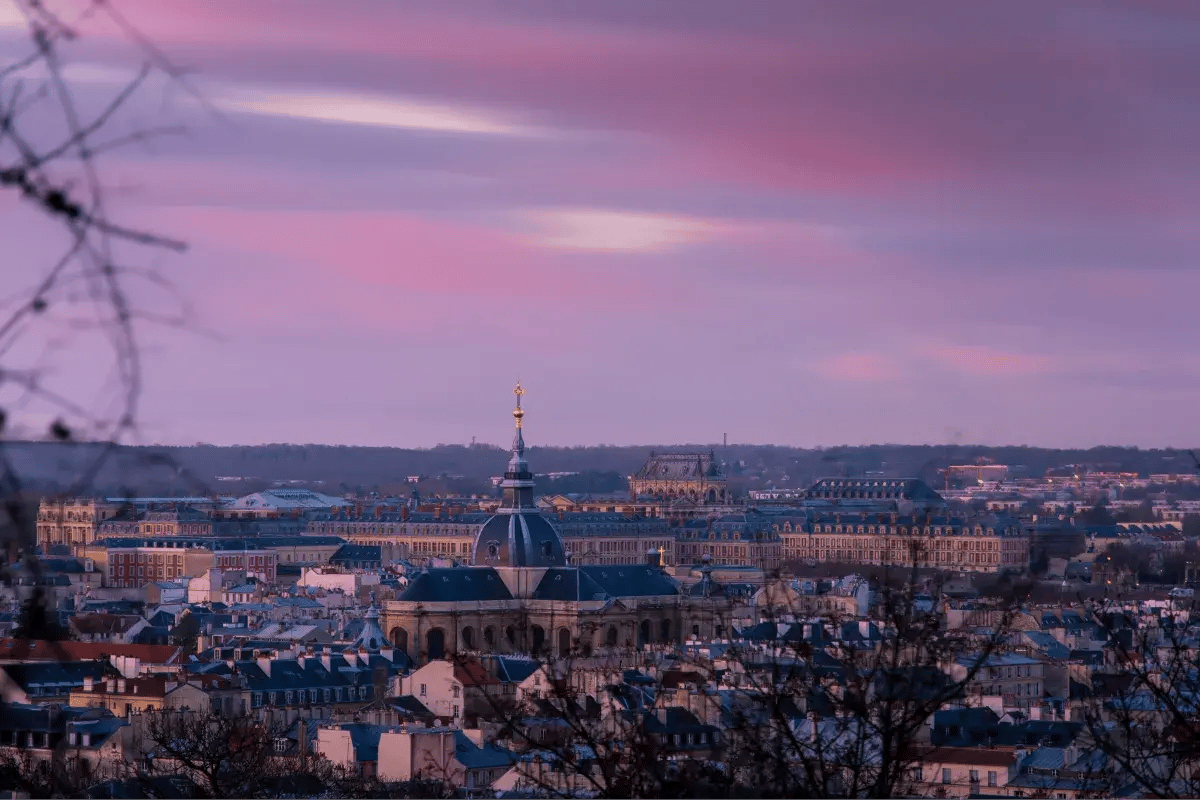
[
  {"x": 420, "y": 256},
  {"x": 796, "y": 107}
]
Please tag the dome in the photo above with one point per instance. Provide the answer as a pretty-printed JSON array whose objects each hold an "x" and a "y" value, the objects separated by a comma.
[
  {"x": 524, "y": 539},
  {"x": 518, "y": 535}
]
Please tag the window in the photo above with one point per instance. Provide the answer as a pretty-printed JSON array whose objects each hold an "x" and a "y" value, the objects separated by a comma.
[
  {"x": 256, "y": 699},
  {"x": 919, "y": 774},
  {"x": 454, "y": 711},
  {"x": 422, "y": 690},
  {"x": 991, "y": 777},
  {"x": 945, "y": 774},
  {"x": 974, "y": 776},
  {"x": 457, "y": 690}
]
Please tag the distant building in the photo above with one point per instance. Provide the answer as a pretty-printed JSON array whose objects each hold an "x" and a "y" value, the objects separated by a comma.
[
  {"x": 279, "y": 502},
  {"x": 134, "y": 562},
  {"x": 900, "y": 494},
  {"x": 694, "y": 477},
  {"x": 71, "y": 522},
  {"x": 983, "y": 472},
  {"x": 990, "y": 544}
]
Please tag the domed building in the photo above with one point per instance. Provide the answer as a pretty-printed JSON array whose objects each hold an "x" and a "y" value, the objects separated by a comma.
[
  {"x": 521, "y": 594},
  {"x": 518, "y": 535}
]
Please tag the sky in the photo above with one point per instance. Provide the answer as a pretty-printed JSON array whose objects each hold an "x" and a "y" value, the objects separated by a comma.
[{"x": 788, "y": 222}]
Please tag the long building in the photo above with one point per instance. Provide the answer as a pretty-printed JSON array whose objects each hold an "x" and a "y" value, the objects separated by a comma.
[
  {"x": 132, "y": 563},
  {"x": 986, "y": 544}
]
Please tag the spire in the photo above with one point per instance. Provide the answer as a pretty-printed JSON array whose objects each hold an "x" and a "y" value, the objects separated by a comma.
[
  {"x": 518, "y": 414},
  {"x": 518, "y": 480},
  {"x": 372, "y": 636}
]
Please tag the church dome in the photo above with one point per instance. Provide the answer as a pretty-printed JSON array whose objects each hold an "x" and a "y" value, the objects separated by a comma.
[
  {"x": 518, "y": 540},
  {"x": 518, "y": 535}
]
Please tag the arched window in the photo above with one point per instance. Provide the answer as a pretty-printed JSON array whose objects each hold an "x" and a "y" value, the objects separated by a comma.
[
  {"x": 539, "y": 638},
  {"x": 468, "y": 638},
  {"x": 564, "y": 642},
  {"x": 435, "y": 644}
]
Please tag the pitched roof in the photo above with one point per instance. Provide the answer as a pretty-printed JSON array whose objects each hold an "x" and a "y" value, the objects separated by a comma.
[
  {"x": 568, "y": 584},
  {"x": 636, "y": 580},
  {"x": 456, "y": 584},
  {"x": 472, "y": 756},
  {"x": 472, "y": 673}
]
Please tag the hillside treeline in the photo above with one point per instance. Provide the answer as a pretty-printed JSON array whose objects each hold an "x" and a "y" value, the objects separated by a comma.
[{"x": 229, "y": 469}]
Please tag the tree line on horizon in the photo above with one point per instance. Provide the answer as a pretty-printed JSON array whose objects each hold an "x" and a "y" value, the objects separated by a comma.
[{"x": 449, "y": 469}]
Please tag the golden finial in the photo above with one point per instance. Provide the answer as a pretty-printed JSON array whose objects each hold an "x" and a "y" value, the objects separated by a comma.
[{"x": 518, "y": 412}]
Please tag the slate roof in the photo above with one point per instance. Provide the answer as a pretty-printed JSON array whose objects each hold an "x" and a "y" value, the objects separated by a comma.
[
  {"x": 456, "y": 584},
  {"x": 565, "y": 583},
  {"x": 55, "y": 678},
  {"x": 1048, "y": 645},
  {"x": 356, "y": 553},
  {"x": 636, "y": 580},
  {"x": 409, "y": 705},
  {"x": 472, "y": 756},
  {"x": 514, "y": 669}
]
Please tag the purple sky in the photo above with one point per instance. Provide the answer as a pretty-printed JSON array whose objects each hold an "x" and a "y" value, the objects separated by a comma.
[{"x": 797, "y": 223}]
